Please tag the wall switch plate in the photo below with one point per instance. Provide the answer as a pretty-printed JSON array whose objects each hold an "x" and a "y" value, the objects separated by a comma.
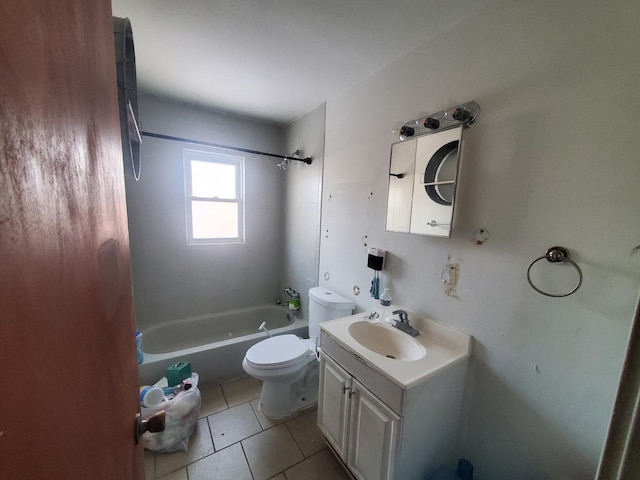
[{"x": 449, "y": 277}]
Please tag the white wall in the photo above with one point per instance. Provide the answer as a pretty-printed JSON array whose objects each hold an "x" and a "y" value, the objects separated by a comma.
[
  {"x": 552, "y": 160},
  {"x": 171, "y": 279},
  {"x": 302, "y": 205}
]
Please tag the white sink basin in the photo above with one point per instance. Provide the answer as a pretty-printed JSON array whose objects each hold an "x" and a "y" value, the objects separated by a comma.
[
  {"x": 386, "y": 341},
  {"x": 405, "y": 360}
]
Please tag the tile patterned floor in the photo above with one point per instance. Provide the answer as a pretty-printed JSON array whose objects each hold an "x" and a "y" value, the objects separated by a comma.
[{"x": 234, "y": 441}]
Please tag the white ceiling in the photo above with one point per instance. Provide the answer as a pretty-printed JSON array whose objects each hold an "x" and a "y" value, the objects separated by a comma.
[{"x": 275, "y": 60}]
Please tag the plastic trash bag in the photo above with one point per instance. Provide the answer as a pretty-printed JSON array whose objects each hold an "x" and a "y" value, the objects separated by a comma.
[{"x": 181, "y": 417}]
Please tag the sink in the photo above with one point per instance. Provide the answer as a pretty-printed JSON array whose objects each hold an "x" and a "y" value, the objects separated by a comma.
[
  {"x": 386, "y": 341},
  {"x": 416, "y": 359}
]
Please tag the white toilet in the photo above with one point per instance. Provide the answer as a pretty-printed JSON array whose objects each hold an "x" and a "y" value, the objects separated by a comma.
[{"x": 288, "y": 365}]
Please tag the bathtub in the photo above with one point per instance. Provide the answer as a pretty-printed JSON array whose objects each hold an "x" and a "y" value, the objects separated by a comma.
[{"x": 215, "y": 344}]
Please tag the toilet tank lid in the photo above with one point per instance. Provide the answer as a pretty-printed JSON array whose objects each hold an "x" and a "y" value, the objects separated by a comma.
[{"x": 330, "y": 299}]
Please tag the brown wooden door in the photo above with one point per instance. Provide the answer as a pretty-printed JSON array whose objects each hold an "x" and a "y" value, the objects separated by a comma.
[{"x": 67, "y": 351}]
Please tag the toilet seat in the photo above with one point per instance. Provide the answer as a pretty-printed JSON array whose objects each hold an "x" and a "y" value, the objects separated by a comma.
[{"x": 278, "y": 352}]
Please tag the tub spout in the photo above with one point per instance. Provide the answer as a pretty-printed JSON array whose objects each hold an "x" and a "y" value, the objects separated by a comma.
[{"x": 263, "y": 328}]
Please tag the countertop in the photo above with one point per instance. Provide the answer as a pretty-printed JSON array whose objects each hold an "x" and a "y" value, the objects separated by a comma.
[{"x": 444, "y": 347}]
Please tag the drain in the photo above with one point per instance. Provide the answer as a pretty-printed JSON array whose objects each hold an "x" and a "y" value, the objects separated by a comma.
[{"x": 390, "y": 356}]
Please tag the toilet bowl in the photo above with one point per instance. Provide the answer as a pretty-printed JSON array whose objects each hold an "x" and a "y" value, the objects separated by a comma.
[
  {"x": 288, "y": 368},
  {"x": 288, "y": 365}
]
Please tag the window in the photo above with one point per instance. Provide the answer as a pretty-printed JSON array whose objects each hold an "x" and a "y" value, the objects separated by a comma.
[{"x": 214, "y": 197}]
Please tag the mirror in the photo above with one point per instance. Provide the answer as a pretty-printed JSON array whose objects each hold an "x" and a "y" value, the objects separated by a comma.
[{"x": 423, "y": 176}]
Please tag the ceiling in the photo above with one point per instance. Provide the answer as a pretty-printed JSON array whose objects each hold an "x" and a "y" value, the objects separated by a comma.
[{"x": 274, "y": 60}]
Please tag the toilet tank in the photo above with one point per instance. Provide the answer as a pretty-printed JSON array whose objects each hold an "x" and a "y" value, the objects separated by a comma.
[{"x": 326, "y": 305}]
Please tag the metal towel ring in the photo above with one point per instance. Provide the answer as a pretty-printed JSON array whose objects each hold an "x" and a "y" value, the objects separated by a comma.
[{"x": 555, "y": 255}]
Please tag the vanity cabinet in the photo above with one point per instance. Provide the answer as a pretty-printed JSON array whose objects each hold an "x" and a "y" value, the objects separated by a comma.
[
  {"x": 362, "y": 430},
  {"x": 380, "y": 430}
]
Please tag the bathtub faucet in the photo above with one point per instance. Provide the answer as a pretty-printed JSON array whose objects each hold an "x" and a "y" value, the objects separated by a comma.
[{"x": 291, "y": 292}]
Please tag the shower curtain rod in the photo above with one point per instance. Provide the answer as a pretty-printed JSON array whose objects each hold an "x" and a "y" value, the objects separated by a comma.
[{"x": 306, "y": 160}]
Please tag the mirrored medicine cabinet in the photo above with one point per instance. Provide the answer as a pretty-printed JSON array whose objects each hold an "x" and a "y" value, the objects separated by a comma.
[{"x": 423, "y": 173}]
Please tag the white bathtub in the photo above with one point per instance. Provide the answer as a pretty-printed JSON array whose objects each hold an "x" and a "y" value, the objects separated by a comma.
[{"x": 214, "y": 344}]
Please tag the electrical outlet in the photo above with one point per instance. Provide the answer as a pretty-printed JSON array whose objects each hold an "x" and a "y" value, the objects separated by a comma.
[{"x": 449, "y": 277}]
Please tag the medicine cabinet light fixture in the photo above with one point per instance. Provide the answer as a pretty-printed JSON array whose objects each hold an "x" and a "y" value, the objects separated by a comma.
[{"x": 465, "y": 114}]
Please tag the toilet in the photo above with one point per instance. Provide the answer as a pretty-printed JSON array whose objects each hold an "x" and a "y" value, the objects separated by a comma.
[{"x": 287, "y": 365}]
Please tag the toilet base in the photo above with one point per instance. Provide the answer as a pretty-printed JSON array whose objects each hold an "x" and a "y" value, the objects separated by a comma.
[{"x": 283, "y": 399}]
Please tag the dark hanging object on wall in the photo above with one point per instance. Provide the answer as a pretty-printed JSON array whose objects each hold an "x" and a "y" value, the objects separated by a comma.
[{"x": 127, "y": 94}]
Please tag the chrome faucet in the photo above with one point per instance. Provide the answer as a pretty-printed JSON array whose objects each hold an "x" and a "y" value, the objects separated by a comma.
[
  {"x": 404, "y": 316},
  {"x": 291, "y": 292},
  {"x": 403, "y": 323}
]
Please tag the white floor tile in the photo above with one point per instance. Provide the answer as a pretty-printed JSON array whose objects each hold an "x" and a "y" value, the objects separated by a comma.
[
  {"x": 229, "y": 463},
  {"x": 241, "y": 390},
  {"x": 248, "y": 446},
  {"x": 271, "y": 452},
  {"x": 321, "y": 466},
  {"x": 305, "y": 431},
  {"x": 213, "y": 400},
  {"x": 232, "y": 425}
]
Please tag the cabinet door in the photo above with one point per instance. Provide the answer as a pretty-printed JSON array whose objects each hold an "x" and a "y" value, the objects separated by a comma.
[
  {"x": 434, "y": 182},
  {"x": 333, "y": 408},
  {"x": 374, "y": 434}
]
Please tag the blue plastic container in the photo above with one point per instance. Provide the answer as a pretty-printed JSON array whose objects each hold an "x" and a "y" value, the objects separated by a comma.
[
  {"x": 139, "y": 347},
  {"x": 464, "y": 471}
]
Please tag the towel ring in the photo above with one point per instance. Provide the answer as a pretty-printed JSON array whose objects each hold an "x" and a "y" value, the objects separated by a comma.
[{"x": 555, "y": 255}]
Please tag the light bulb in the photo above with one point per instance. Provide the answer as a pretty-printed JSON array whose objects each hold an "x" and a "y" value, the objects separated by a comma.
[
  {"x": 407, "y": 131},
  {"x": 431, "y": 123},
  {"x": 461, "y": 114}
]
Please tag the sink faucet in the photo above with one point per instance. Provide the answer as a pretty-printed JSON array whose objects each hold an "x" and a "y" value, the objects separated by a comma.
[
  {"x": 404, "y": 316},
  {"x": 403, "y": 323}
]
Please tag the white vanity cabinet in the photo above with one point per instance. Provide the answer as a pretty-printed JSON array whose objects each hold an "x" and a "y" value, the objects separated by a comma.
[
  {"x": 361, "y": 429},
  {"x": 380, "y": 430},
  {"x": 333, "y": 404}
]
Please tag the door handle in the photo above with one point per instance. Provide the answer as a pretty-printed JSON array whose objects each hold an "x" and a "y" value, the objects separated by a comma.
[{"x": 153, "y": 424}]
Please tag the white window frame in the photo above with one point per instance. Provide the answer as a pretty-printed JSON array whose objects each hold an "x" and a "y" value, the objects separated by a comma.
[{"x": 219, "y": 158}]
